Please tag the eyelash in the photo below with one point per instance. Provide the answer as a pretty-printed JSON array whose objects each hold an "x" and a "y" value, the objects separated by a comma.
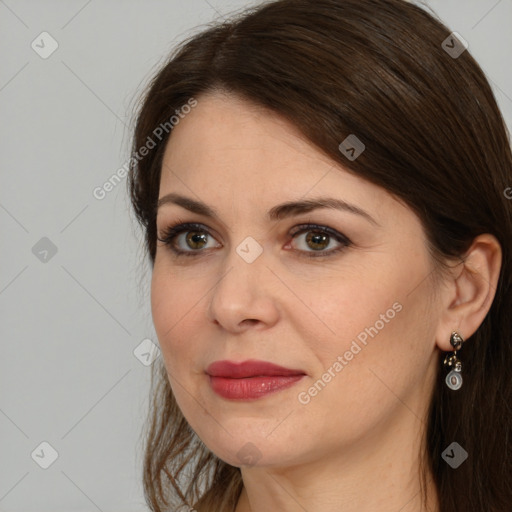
[{"x": 172, "y": 232}]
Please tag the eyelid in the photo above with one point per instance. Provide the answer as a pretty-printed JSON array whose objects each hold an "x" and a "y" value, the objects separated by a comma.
[
  {"x": 179, "y": 222},
  {"x": 179, "y": 227},
  {"x": 343, "y": 241},
  {"x": 311, "y": 226},
  {"x": 174, "y": 230}
]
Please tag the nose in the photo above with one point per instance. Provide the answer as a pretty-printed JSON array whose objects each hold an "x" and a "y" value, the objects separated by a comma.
[{"x": 245, "y": 294}]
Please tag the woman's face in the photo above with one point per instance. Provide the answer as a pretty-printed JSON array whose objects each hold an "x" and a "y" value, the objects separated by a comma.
[{"x": 346, "y": 304}]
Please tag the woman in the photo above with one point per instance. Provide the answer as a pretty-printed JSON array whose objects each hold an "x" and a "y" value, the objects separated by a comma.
[{"x": 322, "y": 185}]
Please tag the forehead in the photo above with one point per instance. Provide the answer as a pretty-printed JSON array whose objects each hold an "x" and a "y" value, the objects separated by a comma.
[
  {"x": 238, "y": 158},
  {"x": 225, "y": 127},
  {"x": 228, "y": 140}
]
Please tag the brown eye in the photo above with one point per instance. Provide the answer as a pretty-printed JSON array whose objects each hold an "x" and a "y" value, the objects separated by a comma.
[
  {"x": 186, "y": 239},
  {"x": 195, "y": 239},
  {"x": 320, "y": 238},
  {"x": 317, "y": 241}
]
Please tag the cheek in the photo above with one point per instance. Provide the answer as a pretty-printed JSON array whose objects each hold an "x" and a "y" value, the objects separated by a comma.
[
  {"x": 168, "y": 305},
  {"x": 356, "y": 306},
  {"x": 171, "y": 299},
  {"x": 358, "y": 385},
  {"x": 176, "y": 307},
  {"x": 376, "y": 332},
  {"x": 383, "y": 301},
  {"x": 385, "y": 349},
  {"x": 162, "y": 304}
]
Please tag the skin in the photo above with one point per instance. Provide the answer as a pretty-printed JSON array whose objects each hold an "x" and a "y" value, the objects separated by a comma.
[{"x": 354, "y": 446}]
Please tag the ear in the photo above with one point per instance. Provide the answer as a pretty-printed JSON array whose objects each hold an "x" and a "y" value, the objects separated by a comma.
[{"x": 470, "y": 291}]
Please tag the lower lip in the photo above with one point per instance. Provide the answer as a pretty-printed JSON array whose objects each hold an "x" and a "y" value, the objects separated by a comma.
[{"x": 251, "y": 388}]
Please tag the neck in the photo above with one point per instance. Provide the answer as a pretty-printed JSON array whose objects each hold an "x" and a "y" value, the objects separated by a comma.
[{"x": 379, "y": 472}]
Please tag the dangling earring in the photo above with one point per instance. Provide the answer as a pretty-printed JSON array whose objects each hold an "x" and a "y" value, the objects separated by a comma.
[{"x": 454, "y": 378}]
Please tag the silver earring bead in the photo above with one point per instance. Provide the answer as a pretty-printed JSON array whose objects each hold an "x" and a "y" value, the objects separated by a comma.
[{"x": 454, "y": 378}]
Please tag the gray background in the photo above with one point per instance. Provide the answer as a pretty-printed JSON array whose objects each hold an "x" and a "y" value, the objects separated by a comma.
[{"x": 71, "y": 321}]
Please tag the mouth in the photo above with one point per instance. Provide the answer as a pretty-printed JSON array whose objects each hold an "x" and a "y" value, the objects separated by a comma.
[{"x": 250, "y": 380}]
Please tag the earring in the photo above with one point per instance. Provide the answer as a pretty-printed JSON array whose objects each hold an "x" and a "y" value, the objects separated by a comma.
[{"x": 454, "y": 379}]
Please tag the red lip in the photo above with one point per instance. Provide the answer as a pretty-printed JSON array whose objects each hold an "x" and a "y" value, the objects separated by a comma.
[
  {"x": 250, "y": 368},
  {"x": 250, "y": 380}
]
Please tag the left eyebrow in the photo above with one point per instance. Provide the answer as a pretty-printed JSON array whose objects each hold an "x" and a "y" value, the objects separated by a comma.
[
  {"x": 278, "y": 212},
  {"x": 291, "y": 208}
]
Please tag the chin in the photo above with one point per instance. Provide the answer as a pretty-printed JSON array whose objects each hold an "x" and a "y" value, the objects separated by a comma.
[{"x": 243, "y": 449}]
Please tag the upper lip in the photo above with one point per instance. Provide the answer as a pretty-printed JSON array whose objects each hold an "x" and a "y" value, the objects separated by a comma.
[{"x": 250, "y": 368}]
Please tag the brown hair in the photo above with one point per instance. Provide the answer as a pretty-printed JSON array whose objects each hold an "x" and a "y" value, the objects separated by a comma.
[{"x": 434, "y": 138}]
